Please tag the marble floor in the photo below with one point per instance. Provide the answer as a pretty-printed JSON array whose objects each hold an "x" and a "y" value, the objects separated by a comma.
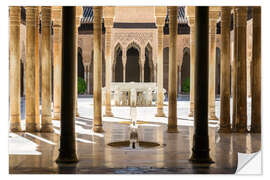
[{"x": 35, "y": 153}]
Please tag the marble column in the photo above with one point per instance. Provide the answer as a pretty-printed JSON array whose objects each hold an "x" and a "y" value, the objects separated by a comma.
[
  {"x": 57, "y": 59},
  {"x": 241, "y": 87},
  {"x": 14, "y": 68},
  {"x": 30, "y": 68},
  {"x": 200, "y": 150},
  {"x": 97, "y": 69},
  {"x": 192, "y": 61},
  {"x": 67, "y": 150},
  {"x": 213, "y": 15},
  {"x": 124, "y": 62},
  {"x": 87, "y": 78},
  {"x": 172, "y": 109},
  {"x": 160, "y": 14},
  {"x": 234, "y": 66},
  {"x": 142, "y": 63},
  {"x": 37, "y": 75},
  {"x": 256, "y": 73},
  {"x": 108, "y": 22},
  {"x": 46, "y": 117},
  {"x": 79, "y": 12},
  {"x": 225, "y": 90}
]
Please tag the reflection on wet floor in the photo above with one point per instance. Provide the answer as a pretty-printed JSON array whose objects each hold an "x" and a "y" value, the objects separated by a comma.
[{"x": 36, "y": 152}]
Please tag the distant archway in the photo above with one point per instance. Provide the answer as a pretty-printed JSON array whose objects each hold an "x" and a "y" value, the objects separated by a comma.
[
  {"x": 217, "y": 71},
  {"x": 118, "y": 65},
  {"x": 80, "y": 64},
  {"x": 132, "y": 66},
  {"x": 185, "y": 71},
  {"x": 166, "y": 68},
  {"x": 148, "y": 65}
]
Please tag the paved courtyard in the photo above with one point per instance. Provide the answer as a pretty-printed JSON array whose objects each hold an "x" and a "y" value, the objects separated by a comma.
[{"x": 36, "y": 152}]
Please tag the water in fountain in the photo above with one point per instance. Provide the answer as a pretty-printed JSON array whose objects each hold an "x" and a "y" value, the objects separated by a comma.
[{"x": 134, "y": 139}]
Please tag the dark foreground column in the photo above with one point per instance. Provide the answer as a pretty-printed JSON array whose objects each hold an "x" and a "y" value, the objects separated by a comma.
[
  {"x": 200, "y": 150},
  {"x": 67, "y": 151},
  {"x": 256, "y": 74},
  {"x": 225, "y": 62}
]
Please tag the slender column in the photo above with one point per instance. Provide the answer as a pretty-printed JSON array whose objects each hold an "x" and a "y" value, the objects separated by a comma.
[
  {"x": 142, "y": 63},
  {"x": 14, "y": 68},
  {"x": 234, "y": 66},
  {"x": 78, "y": 19},
  {"x": 124, "y": 62},
  {"x": 225, "y": 62},
  {"x": 241, "y": 88},
  {"x": 172, "y": 119},
  {"x": 97, "y": 69},
  {"x": 30, "y": 68},
  {"x": 200, "y": 150},
  {"x": 57, "y": 59},
  {"x": 67, "y": 150},
  {"x": 192, "y": 64},
  {"x": 213, "y": 15},
  {"x": 108, "y": 19},
  {"x": 160, "y": 21},
  {"x": 256, "y": 73},
  {"x": 46, "y": 116},
  {"x": 87, "y": 78},
  {"x": 37, "y": 71}
]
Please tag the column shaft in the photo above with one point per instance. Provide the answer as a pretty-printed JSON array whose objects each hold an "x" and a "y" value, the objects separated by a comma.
[
  {"x": 124, "y": 61},
  {"x": 225, "y": 89},
  {"x": 37, "y": 71},
  {"x": 172, "y": 117},
  {"x": 212, "y": 68},
  {"x": 108, "y": 59},
  {"x": 97, "y": 69},
  {"x": 30, "y": 69},
  {"x": 256, "y": 73},
  {"x": 241, "y": 87},
  {"x": 67, "y": 151},
  {"x": 14, "y": 68},
  {"x": 160, "y": 95},
  {"x": 46, "y": 116},
  {"x": 200, "y": 150}
]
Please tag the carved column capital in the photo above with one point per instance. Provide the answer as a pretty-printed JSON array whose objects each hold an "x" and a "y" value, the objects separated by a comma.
[{"x": 14, "y": 16}]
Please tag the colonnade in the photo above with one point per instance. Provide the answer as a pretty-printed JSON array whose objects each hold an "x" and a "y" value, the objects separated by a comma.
[{"x": 202, "y": 54}]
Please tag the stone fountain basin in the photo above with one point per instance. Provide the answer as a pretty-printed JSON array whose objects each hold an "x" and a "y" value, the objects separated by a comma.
[{"x": 142, "y": 144}]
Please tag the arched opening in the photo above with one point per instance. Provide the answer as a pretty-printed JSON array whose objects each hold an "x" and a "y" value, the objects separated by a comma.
[
  {"x": 165, "y": 68},
  {"x": 91, "y": 73},
  {"x": 118, "y": 65},
  {"x": 217, "y": 71},
  {"x": 185, "y": 72},
  {"x": 132, "y": 66},
  {"x": 80, "y": 64},
  {"x": 148, "y": 65}
]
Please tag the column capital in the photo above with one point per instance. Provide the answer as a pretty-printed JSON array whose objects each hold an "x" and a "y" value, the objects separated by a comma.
[
  {"x": 241, "y": 14},
  {"x": 214, "y": 13},
  {"x": 57, "y": 16},
  {"x": 46, "y": 16},
  {"x": 108, "y": 12},
  {"x": 79, "y": 14},
  {"x": 30, "y": 15},
  {"x": 108, "y": 22}
]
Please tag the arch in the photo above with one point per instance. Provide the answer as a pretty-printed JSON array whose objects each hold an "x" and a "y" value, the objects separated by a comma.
[
  {"x": 185, "y": 71},
  {"x": 135, "y": 45},
  {"x": 217, "y": 70},
  {"x": 118, "y": 65},
  {"x": 132, "y": 65}
]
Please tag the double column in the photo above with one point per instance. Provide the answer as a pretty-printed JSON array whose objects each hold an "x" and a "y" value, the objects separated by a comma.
[
  {"x": 57, "y": 59},
  {"x": 160, "y": 15},
  {"x": 46, "y": 117},
  {"x": 14, "y": 68},
  {"x": 172, "y": 117},
  {"x": 213, "y": 16},
  {"x": 256, "y": 73},
  {"x": 241, "y": 70},
  {"x": 142, "y": 60},
  {"x": 191, "y": 20},
  {"x": 108, "y": 21},
  {"x": 30, "y": 68},
  {"x": 225, "y": 90},
  {"x": 97, "y": 126}
]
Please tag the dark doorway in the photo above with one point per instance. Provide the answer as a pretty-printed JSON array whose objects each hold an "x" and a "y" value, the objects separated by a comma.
[
  {"x": 132, "y": 66},
  {"x": 185, "y": 72},
  {"x": 80, "y": 64},
  {"x": 118, "y": 70},
  {"x": 217, "y": 71}
]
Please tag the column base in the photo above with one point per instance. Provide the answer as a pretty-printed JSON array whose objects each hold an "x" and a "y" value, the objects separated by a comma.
[
  {"x": 47, "y": 128},
  {"x": 77, "y": 114},
  {"x": 172, "y": 130},
  {"x": 98, "y": 129},
  {"x": 254, "y": 129},
  {"x": 108, "y": 114},
  {"x": 67, "y": 159},
  {"x": 201, "y": 157},
  {"x": 56, "y": 116},
  {"x": 212, "y": 117},
  {"x": 225, "y": 129},
  {"x": 37, "y": 127},
  {"x": 15, "y": 127},
  {"x": 160, "y": 113},
  {"x": 30, "y": 127},
  {"x": 191, "y": 114},
  {"x": 240, "y": 130}
]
